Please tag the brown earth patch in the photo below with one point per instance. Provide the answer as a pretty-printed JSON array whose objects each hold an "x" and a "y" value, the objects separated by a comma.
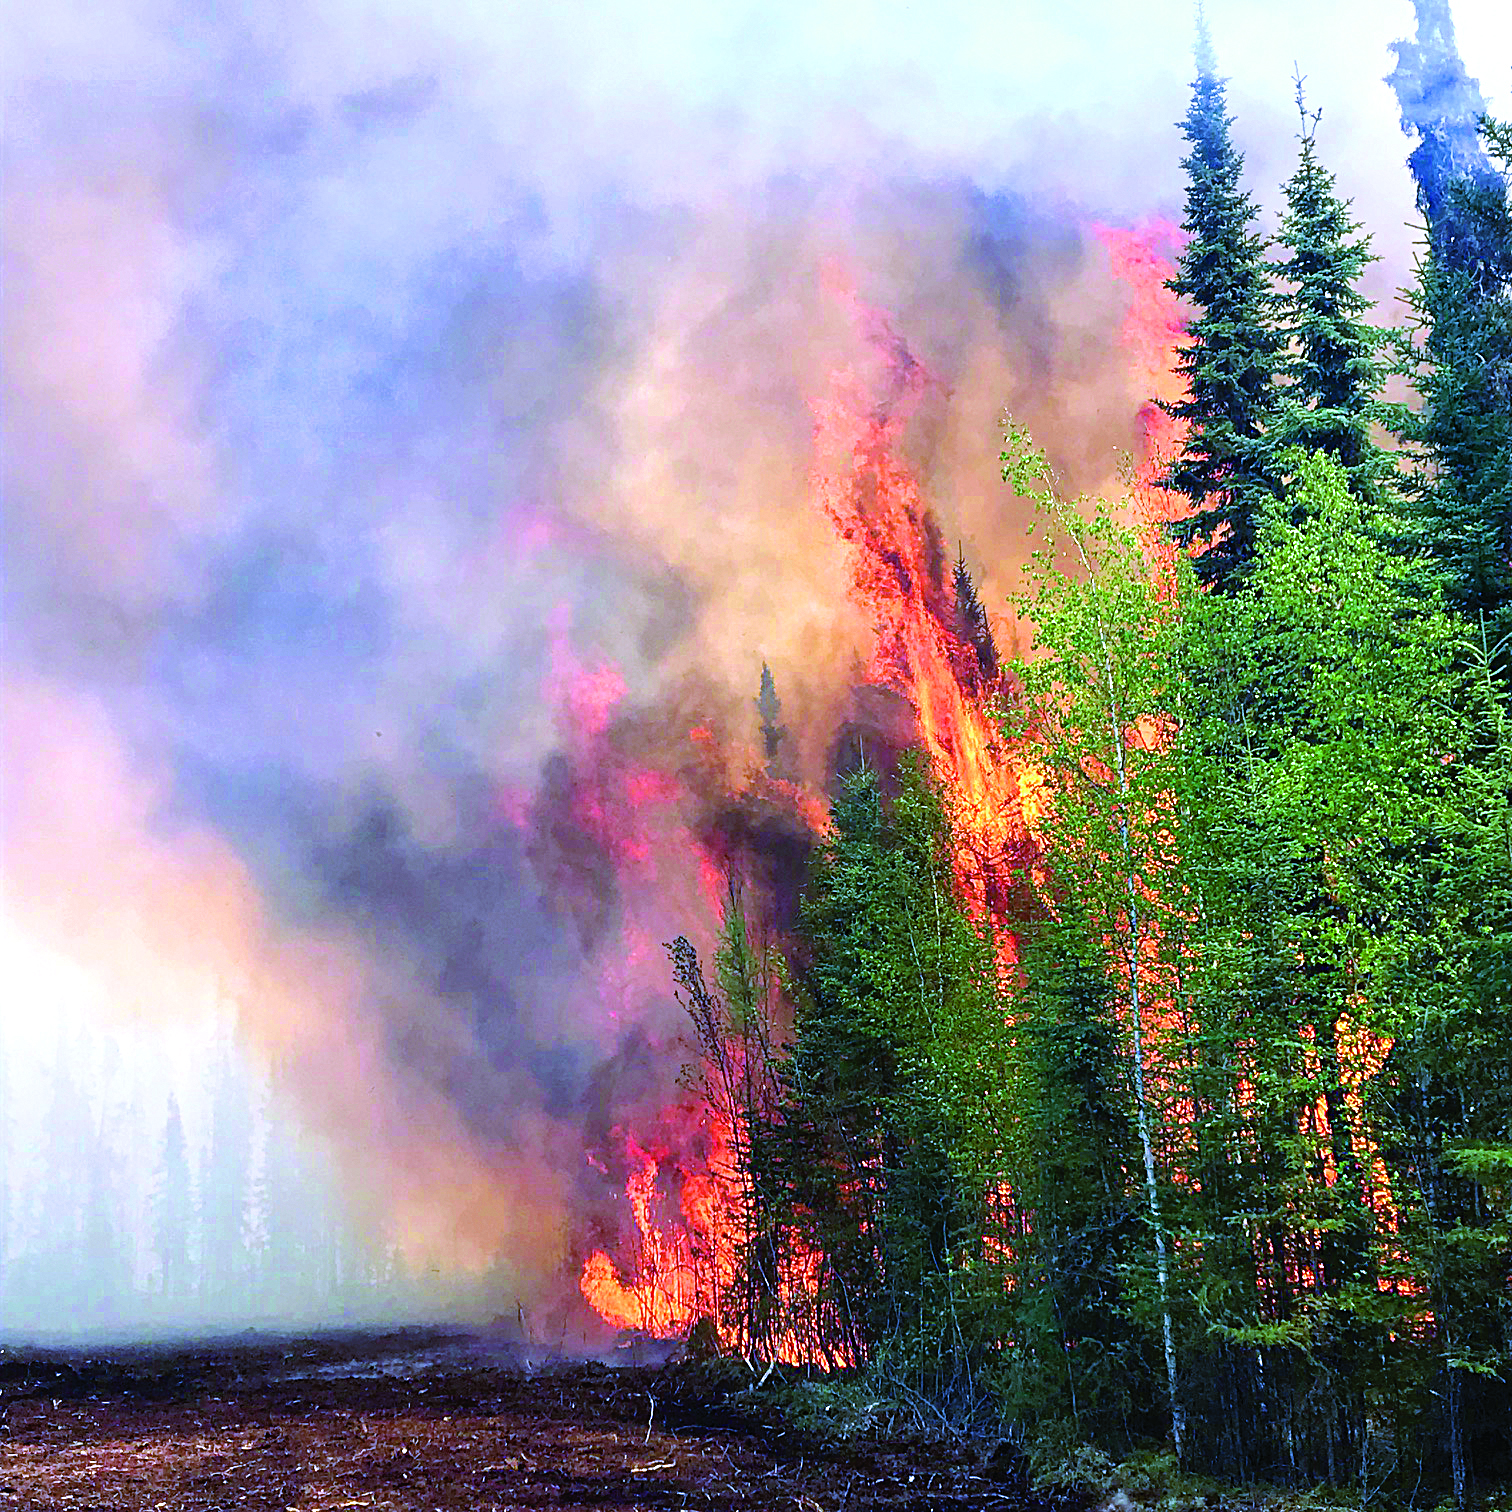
[{"x": 410, "y": 1424}]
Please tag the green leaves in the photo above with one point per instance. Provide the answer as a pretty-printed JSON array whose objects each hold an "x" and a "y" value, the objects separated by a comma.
[
  {"x": 904, "y": 1083},
  {"x": 1279, "y": 835}
]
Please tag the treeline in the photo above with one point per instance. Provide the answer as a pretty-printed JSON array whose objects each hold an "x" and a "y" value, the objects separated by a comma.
[
  {"x": 1213, "y": 1147},
  {"x": 118, "y": 1213}
]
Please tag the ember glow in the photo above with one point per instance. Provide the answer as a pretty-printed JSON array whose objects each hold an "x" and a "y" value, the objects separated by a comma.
[{"x": 1141, "y": 259}]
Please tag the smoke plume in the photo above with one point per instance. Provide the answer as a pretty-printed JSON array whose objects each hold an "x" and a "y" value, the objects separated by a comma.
[{"x": 409, "y": 422}]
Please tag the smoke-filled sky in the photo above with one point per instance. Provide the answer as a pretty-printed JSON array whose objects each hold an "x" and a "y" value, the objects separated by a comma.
[{"x": 408, "y": 408}]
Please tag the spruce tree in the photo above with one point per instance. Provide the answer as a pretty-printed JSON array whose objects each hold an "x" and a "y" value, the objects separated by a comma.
[
  {"x": 227, "y": 1179},
  {"x": 769, "y": 712},
  {"x": 174, "y": 1209},
  {"x": 974, "y": 625},
  {"x": 898, "y": 1066},
  {"x": 1082, "y": 1188},
  {"x": 740, "y": 1071},
  {"x": 1332, "y": 373},
  {"x": 1226, "y": 466}
]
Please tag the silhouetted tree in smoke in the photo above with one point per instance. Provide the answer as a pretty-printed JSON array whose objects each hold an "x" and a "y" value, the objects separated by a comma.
[
  {"x": 227, "y": 1186},
  {"x": 973, "y": 621},
  {"x": 1443, "y": 107},
  {"x": 55, "y": 1264},
  {"x": 1332, "y": 373},
  {"x": 769, "y": 711},
  {"x": 1226, "y": 468},
  {"x": 173, "y": 1208},
  {"x": 107, "y": 1249},
  {"x": 300, "y": 1263}
]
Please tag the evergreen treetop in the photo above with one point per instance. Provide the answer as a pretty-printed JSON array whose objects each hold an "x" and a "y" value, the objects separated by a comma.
[
  {"x": 1225, "y": 468},
  {"x": 975, "y": 625},
  {"x": 769, "y": 712},
  {"x": 1332, "y": 373}
]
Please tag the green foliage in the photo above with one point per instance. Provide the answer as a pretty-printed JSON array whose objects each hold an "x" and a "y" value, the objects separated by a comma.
[
  {"x": 1098, "y": 693},
  {"x": 1060, "y": 1459},
  {"x": 1218, "y": 1173},
  {"x": 837, "y": 1410},
  {"x": 1278, "y": 837},
  {"x": 1078, "y": 1354},
  {"x": 1332, "y": 372},
  {"x": 1233, "y": 349},
  {"x": 899, "y": 1062}
]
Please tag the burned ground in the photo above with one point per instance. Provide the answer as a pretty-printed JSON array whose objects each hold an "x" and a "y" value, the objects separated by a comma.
[{"x": 429, "y": 1421}]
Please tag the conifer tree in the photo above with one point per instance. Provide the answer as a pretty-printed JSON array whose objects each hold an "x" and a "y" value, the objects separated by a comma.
[
  {"x": 897, "y": 1067},
  {"x": 740, "y": 1076},
  {"x": 1332, "y": 374},
  {"x": 769, "y": 712},
  {"x": 975, "y": 626},
  {"x": 1081, "y": 1190},
  {"x": 173, "y": 1208},
  {"x": 1226, "y": 468},
  {"x": 227, "y": 1181}
]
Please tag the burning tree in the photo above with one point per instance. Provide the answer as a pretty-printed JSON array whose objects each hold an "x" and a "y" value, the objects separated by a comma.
[{"x": 765, "y": 1301}]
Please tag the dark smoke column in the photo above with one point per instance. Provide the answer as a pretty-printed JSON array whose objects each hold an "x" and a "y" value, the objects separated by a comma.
[{"x": 1443, "y": 106}]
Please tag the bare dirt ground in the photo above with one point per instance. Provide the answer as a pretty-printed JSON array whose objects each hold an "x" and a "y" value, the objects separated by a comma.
[{"x": 428, "y": 1422}]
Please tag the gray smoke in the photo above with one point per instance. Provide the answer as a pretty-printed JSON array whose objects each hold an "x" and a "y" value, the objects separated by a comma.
[
  {"x": 407, "y": 424},
  {"x": 1443, "y": 107}
]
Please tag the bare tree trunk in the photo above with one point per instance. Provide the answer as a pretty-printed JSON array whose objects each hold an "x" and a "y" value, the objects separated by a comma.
[{"x": 1152, "y": 1189}]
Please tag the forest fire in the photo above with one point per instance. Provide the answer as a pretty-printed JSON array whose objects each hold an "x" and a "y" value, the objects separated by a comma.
[
  {"x": 812, "y": 701},
  {"x": 1152, "y": 334},
  {"x": 687, "y": 1252},
  {"x": 934, "y": 641},
  {"x": 665, "y": 1297},
  {"x": 934, "y": 646}
]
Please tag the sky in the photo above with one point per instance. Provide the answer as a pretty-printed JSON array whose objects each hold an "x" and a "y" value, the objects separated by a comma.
[{"x": 388, "y": 387}]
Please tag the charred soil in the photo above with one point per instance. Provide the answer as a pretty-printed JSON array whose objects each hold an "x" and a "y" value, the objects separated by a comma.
[{"x": 432, "y": 1421}]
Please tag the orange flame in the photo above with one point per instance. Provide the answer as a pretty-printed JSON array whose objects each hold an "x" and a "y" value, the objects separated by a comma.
[
  {"x": 685, "y": 1263},
  {"x": 1153, "y": 332},
  {"x": 900, "y": 575},
  {"x": 688, "y": 1267}
]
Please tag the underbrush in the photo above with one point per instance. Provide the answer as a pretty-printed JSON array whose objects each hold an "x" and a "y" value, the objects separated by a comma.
[
  {"x": 876, "y": 1408},
  {"x": 836, "y": 1410}
]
